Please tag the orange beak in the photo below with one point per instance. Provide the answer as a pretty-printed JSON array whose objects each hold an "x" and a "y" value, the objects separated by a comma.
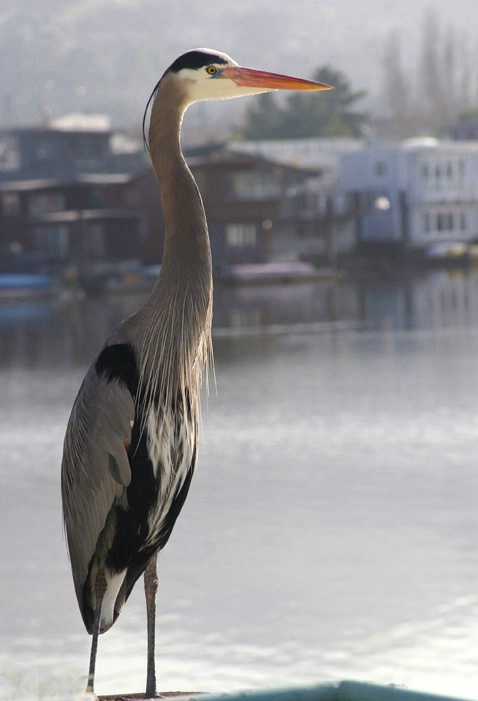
[{"x": 250, "y": 78}]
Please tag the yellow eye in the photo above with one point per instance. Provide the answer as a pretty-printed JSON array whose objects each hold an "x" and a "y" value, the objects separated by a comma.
[{"x": 212, "y": 70}]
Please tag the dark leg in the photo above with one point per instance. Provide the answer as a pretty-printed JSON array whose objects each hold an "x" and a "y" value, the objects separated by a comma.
[
  {"x": 150, "y": 588},
  {"x": 100, "y": 588}
]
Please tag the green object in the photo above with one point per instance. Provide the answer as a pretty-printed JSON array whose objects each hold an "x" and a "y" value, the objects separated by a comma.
[
  {"x": 341, "y": 691},
  {"x": 356, "y": 691}
]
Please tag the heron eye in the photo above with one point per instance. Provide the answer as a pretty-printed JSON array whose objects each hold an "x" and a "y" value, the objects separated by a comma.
[{"x": 212, "y": 70}]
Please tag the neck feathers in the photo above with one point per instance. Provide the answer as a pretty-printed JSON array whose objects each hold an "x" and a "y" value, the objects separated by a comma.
[{"x": 176, "y": 320}]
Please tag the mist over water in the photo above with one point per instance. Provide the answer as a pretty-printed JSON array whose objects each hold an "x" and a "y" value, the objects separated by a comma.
[{"x": 331, "y": 530}]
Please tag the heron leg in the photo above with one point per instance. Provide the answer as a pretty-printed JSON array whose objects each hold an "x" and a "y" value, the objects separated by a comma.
[
  {"x": 151, "y": 582},
  {"x": 100, "y": 589}
]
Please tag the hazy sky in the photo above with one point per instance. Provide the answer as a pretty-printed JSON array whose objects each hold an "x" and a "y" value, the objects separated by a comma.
[{"x": 106, "y": 55}]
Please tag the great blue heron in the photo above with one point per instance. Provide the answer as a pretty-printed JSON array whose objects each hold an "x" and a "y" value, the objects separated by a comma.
[{"x": 131, "y": 442}]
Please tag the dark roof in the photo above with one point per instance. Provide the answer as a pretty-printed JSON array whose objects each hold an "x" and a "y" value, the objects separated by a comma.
[
  {"x": 72, "y": 215},
  {"x": 51, "y": 183},
  {"x": 230, "y": 158}
]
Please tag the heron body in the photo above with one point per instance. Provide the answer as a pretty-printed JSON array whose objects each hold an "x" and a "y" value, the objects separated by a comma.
[
  {"x": 131, "y": 443},
  {"x": 145, "y": 471},
  {"x": 131, "y": 440}
]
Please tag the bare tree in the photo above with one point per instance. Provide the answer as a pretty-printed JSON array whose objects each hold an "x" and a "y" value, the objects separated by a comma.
[
  {"x": 442, "y": 91},
  {"x": 431, "y": 100},
  {"x": 395, "y": 87}
]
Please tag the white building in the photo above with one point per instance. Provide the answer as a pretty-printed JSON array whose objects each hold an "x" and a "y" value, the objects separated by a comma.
[
  {"x": 414, "y": 195},
  {"x": 319, "y": 153}
]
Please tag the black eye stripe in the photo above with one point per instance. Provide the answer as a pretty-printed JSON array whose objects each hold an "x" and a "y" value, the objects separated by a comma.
[{"x": 195, "y": 60}]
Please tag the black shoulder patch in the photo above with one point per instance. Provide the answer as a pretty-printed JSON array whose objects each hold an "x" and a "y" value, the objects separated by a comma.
[
  {"x": 118, "y": 362},
  {"x": 195, "y": 60}
]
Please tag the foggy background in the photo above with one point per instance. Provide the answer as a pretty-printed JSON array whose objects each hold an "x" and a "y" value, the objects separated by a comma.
[{"x": 106, "y": 55}]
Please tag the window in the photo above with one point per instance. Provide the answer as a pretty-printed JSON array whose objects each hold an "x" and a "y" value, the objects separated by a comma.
[
  {"x": 53, "y": 240},
  {"x": 241, "y": 235},
  {"x": 45, "y": 202},
  {"x": 250, "y": 184},
  {"x": 426, "y": 222},
  {"x": 10, "y": 204},
  {"x": 43, "y": 149},
  {"x": 9, "y": 153},
  {"x": 444, "y": 221},
  {"x": 380, "y": 168}
]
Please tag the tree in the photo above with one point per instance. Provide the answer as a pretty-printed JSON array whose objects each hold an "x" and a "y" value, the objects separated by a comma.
[
  {"x": 396, "y": 88},
  {"x": 437, "y": 86},
  {"x": 432, "y": 94},
  {"x": 307, "y": 114}
]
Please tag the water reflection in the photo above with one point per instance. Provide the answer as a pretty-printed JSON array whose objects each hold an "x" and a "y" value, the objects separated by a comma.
[
  {"x": 438, "y": 300},
  {"x": 331, "y": 529}
]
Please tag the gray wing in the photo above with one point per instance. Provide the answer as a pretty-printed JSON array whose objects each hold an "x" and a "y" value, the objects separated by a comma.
[{"x": 95, "y": 469}]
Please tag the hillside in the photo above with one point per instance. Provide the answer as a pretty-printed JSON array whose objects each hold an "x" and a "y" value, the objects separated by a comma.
[{"x": 106, "y": 55}]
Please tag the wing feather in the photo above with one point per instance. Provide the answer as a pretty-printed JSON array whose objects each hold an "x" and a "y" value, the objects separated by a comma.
[{"x": 95, "y": 467}]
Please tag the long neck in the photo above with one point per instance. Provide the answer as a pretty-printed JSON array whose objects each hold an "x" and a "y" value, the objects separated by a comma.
[
  {"x": 176, "y": 334},
  {"x": 187, "y": 252}
]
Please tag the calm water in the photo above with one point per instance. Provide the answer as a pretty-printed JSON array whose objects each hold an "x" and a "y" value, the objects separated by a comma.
[{"x": 332, "y": 528}]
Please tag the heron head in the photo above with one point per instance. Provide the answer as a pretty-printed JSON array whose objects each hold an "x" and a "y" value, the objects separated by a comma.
[{"x": 206, "y": 74}]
